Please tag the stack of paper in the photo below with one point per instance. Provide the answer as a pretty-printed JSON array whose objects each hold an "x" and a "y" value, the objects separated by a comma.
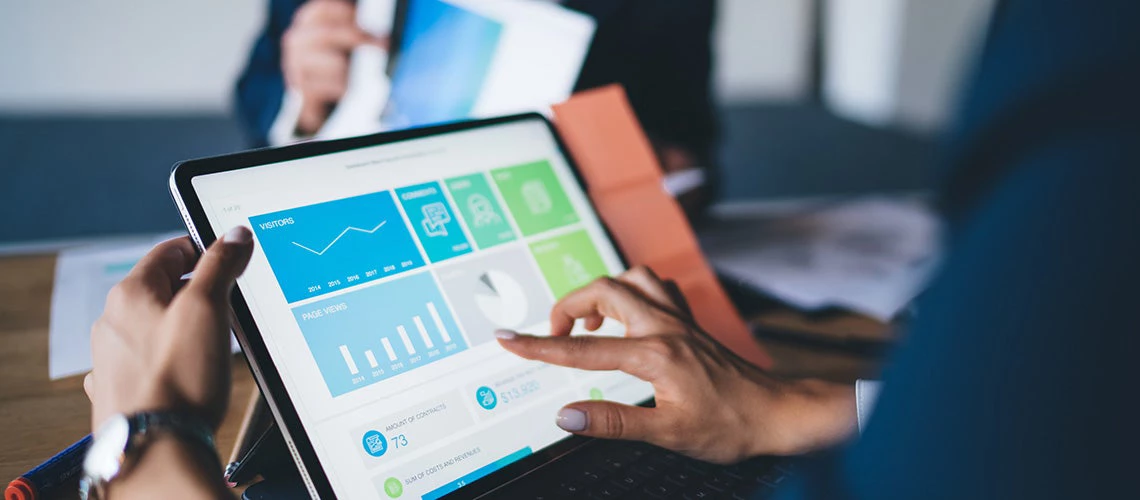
[
  {"x": 871, "y": 256},
  {"x": 83, "y": 277}
]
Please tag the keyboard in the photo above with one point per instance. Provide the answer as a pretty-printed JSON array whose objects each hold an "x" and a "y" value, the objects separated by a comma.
[{"x": 605, "y": 470}]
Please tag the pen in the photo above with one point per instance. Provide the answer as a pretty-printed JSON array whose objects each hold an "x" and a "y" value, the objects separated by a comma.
[{"x": 50, "y": 475}]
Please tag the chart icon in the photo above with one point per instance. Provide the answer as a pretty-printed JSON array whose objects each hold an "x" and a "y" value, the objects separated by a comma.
[
  {"x": 486, "y": 398},
  {"x": 375, "y": 444},
  {"x": 499, "y": 289}
]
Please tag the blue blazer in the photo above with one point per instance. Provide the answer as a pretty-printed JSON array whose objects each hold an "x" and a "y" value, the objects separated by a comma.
[
  {"x": 1019, "y": 378},
  {"x": 660, "y": 50}
]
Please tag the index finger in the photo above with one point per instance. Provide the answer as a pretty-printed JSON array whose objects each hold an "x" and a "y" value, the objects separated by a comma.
[
  {"x": 603, "y": 297},
  {"x": 586, "y": 352},
  {"x": 161, "y": 269}
]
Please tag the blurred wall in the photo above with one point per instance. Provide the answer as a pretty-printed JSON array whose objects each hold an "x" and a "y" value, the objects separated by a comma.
[
  {"x": 942, "y": 41},
  {"x": 900, "y": 62},
  {"x": 148, "y": 56},
  {"x": 122, "y": 56},
  {"x": 762, "y": 50}
]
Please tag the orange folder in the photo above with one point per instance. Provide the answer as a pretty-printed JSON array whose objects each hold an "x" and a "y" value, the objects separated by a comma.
[{"x": 623, "y": 179}]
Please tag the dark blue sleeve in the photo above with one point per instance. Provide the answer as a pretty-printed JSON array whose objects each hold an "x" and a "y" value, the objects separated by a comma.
[
  {"x": 261, "y": 86},
  {"x": 1018, "y": 378}
]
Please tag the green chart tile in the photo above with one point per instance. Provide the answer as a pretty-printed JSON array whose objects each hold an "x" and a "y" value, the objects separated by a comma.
[
  {"x": 535, "y": 197},
  {"x": 484, "y": 216},
  {"x": 568, "y": 262}
]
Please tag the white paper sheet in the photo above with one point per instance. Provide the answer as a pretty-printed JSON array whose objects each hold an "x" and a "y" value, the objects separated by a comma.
[
  {"x": 870, "y": 256},
  {"x": 358, "y": 112},
  {"x": 536, "y": 63},
  {"x": 538, "y": 59},
  {"x": 83, "y": 277}
]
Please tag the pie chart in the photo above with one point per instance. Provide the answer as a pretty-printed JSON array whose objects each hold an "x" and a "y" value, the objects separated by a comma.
[{"x": 501, "y": 299}]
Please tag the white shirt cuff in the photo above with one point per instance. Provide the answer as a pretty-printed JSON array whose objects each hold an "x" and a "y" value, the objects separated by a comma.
[
  {"x": 866, "y": 394},
  {"x": 284, "y": 128}
]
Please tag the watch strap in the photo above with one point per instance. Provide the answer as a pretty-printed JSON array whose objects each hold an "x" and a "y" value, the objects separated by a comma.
[
  {"x": 190, "y": 427},
  {"x": 144, "y": 428}
]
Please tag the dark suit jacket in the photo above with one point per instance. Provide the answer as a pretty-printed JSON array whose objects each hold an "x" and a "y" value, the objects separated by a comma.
[
  {"x": 658, "y": 49},
  {"x": 1019, "y": 379}
]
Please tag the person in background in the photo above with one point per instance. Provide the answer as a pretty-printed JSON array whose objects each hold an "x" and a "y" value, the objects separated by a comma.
[
  {"x": 659, "y": 50},
  {"x": 1016, "y": 381}
]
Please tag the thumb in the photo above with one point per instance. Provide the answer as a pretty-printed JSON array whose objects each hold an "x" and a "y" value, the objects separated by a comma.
[
  {"x": 222, "y": 263},
  {"x": 604, "y": 419}
]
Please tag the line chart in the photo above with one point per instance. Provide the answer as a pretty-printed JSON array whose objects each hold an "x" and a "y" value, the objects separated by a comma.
[
  {"x": 371, "y": 243},
  {"x": 341, "y": 235}
]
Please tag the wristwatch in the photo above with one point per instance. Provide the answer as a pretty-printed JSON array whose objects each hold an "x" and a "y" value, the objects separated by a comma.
[{"x": 119, "y": 441}]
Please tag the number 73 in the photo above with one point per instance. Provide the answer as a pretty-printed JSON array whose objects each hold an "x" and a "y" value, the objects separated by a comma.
[{"x": 399, "y": 441}]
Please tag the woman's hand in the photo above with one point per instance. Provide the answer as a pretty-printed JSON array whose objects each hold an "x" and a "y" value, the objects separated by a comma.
[
  {"x": 710, "y": 403},
  {"x": 163, "y": 346}
]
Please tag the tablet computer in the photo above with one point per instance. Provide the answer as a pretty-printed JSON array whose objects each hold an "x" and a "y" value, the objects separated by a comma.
[{"x": 382, "y": 266}]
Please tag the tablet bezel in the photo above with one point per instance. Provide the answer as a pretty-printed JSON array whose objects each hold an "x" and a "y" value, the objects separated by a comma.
[{"x": 249, "y": 336}]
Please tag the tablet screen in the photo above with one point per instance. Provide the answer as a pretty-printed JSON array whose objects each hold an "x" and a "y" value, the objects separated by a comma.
[{"x": 379, "y": 277}]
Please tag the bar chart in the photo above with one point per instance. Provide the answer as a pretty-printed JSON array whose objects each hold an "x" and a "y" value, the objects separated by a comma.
[{"x": 378, "y": 332}]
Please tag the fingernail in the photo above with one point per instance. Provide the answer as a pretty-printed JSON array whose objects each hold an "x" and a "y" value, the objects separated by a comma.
[
  {"x": 506, "y": 334},
  {"x": 239, "y": 235},
  {"x": 571, "y": 420}
]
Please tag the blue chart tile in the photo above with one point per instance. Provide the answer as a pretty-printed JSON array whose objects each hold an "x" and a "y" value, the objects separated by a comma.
[
  {"x": 329, "y": 246},
  {"x": 378, "y": 332}
]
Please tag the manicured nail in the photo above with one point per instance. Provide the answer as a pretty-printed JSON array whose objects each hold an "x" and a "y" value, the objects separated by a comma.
[
  {"x": 239, "y": 235},
  {"x": 506, "y": 334},
  {"x": 571, "y": 420}
]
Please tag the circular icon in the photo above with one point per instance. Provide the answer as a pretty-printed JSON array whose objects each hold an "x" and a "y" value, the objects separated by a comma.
[
  {"x": 595, "y": 393},
  {"x": 393, "y": 487},
  {"x": 486, "y": 398},
  {"x": 375, "y": 444}
]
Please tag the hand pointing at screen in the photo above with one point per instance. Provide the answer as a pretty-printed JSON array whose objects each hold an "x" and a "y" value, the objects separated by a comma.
[{"x": 710, "y": 403}]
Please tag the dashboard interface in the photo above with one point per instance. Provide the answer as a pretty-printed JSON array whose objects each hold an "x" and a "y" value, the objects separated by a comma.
[{"x": 378, "y": 278}]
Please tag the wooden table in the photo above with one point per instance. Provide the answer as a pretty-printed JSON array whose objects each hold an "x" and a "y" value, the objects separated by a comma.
[{"x": 39, "y": 417}]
